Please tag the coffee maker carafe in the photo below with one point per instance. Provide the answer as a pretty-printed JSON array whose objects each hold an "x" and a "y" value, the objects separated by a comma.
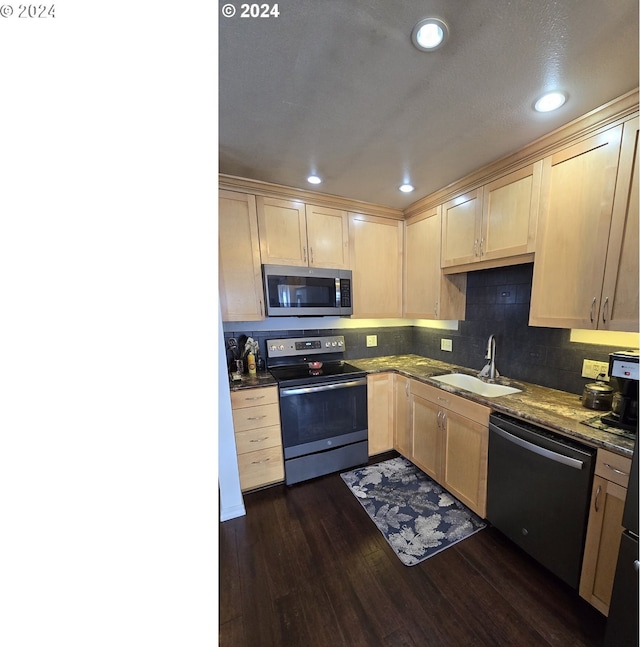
[{"x": 623, "y": 365}]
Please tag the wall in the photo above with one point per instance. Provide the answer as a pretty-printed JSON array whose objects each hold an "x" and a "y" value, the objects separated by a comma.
[
  {"x": 231, "y": 501},
  {"x": 497, "y": 303}
]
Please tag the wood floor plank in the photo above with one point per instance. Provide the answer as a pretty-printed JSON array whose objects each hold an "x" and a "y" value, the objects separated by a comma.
[
  {"x": 307, "y": 566},
  {"x": 543, "y": 600},
  {"x": 229, "y": 575}
]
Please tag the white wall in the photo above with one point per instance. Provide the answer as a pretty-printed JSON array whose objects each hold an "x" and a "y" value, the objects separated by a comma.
[{"x": 231, "y": 502}]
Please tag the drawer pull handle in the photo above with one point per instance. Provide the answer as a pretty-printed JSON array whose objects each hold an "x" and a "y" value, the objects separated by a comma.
[
  {"x": 266, "y": 460},
  {"x": 445, "y": 400},
  {"x": 256, "y": 397},
  {"x": 617, "y": 471},
  {"x": 595, "y": 503},
  {"x": 257, "y": 417},
  {"x": 259, "y": 440}
]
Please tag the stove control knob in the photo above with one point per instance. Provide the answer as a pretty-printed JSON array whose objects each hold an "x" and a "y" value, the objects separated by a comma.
[
  {"x": 327, "y": 344},
  {"x": 340, "y": 343},
  {"x": 334, "y": 343},
  {"x": 281, "y": 347}
]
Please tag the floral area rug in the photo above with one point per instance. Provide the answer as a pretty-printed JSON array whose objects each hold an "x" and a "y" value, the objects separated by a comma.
[{"x": 416, "y": 516}]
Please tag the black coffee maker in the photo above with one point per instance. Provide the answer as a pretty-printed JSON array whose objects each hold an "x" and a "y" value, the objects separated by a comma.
[{"x": 623, "y": 365}]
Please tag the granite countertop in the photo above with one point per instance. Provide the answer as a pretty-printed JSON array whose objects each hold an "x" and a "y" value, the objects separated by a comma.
[
  {"x": 262, "y": 378},
  {"x": 556, "y": 410}
]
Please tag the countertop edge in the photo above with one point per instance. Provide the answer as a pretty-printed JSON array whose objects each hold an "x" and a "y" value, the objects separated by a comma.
[{"x": 526, "y": 406}]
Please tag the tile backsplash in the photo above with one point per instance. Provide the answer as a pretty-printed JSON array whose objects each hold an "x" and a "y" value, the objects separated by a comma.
[{"x": 497, "y": 304}]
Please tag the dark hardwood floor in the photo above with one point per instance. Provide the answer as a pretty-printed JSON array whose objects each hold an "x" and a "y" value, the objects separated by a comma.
[{"x": 306, "y": 566}]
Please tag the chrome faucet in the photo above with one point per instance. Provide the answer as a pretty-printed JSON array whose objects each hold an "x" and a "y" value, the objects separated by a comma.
[{"x": 490, "y": 369}]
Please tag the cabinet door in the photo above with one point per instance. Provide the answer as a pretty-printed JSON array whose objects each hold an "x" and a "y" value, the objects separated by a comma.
[
  {"x": 428, "y": 293},
  {"x": 422, "y": 265},
  {"x": 283, "y": 233},
  {"x": 510, "y": 213},
  {"x": 461, "y": 229},
  {"x": 328, "y": 237},
  {"x": 380, "y": 412},
  {"x": 376, "y": 262},
  {"x": 464, "y": 460},
  {"x": 403, "y": 440},
  {"x": 619, "y": 310},
  {"x": 578, "y": 186},
  {"x": 602, "y": 543},
  {"x": 240, "y": 280},
  {"x": 427, "y": 436}
]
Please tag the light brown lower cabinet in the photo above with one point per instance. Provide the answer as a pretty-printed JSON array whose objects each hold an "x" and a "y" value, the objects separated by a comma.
[
  {"x": 402, "y": 438},
  {"x": 604, "y": 529},
  {"x": 380, "y": 412},
  {"x": 256, "y": 423},
  {"x": 450, "y": 442}
]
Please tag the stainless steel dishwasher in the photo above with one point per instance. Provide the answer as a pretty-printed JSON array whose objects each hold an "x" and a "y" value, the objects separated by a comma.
[{"x": 538, "y": 492}]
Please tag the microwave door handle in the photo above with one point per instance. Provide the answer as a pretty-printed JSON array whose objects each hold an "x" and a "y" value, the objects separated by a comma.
[{"x": 337, "y": 292}]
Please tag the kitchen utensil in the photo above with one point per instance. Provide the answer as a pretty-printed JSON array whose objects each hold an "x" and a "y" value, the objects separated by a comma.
[{"x": 598, "y": 396}]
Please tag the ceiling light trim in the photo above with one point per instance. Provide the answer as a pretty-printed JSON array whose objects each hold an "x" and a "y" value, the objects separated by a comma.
[
  {"x": 430, "y": 34},
  {"x": 550, "y": 101}
]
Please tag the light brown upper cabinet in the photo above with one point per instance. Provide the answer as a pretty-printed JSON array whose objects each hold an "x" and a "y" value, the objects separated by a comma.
[
  {"x": 619, "y": 309},
  {"x": 495, "y": 222},
  {"x": 588, "y": 230},
  {"x": 292, "y": 233},
  {"x": 240, "y": 280},
  {"x": 376, "y": 262},
  {"x": 428, "y": 293},
  {"x": 461, "y": 219}
]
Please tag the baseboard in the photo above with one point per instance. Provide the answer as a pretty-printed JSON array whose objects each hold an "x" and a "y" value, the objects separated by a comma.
[{"x": 232, "y": 512}]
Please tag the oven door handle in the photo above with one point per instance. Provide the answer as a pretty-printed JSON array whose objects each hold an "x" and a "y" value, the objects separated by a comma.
[
  {"x": 322, "y": 387},
  {"x": 536, "y": 449}
]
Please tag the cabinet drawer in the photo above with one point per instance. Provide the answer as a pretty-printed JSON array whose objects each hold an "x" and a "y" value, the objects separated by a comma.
[
  {"x": 264, "y": 415},
  {"x": 467, "y": 408},
  {"x": 252, "y": 397},
  {"x": 255, "y": 439},
  {"x": 260, "y": 468},
  {"x": 613, "y": 467}
]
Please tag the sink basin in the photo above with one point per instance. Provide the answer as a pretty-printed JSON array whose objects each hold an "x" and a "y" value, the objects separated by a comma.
[{"x": 475, "y": 385}]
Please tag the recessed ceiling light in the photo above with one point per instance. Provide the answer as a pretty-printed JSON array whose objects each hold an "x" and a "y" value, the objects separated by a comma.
[
  {"x": 314, "y": 179},
  {"x": 429, "y": 34},
  {"x": 406, "y": 188},
  {"x": 550, "y": 101}
]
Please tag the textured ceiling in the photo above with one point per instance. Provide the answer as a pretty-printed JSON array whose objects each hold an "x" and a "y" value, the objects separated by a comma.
[{"x": 336, "y": 87}]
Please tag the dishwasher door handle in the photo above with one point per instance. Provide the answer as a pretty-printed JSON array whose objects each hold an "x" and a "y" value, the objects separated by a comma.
[{"x": 536, "y": 449}]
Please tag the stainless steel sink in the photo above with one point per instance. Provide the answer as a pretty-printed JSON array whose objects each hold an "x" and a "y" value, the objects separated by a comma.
[{"x": 475, "y": 385}]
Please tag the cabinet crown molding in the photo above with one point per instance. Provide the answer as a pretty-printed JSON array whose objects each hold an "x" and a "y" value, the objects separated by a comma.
[
  {"x": 610, "y": 114},
  {"x": 259, "y": 188}
]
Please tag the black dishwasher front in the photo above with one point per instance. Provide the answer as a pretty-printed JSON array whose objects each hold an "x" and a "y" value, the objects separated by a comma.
[{"x": 538, "y": 493}]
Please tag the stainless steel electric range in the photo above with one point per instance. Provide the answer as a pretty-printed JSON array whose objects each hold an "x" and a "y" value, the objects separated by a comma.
[{"x": 323, "y": 406}]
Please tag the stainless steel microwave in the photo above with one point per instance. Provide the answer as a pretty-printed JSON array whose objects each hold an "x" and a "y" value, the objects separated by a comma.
[{"x": 306, "y": 291}]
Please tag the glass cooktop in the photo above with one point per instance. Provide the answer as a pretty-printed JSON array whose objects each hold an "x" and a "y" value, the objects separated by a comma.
[{"x": 293, "y": 374}]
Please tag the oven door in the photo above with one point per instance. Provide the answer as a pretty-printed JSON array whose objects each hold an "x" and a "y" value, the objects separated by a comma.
[{"x": 319, "y": 417}]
